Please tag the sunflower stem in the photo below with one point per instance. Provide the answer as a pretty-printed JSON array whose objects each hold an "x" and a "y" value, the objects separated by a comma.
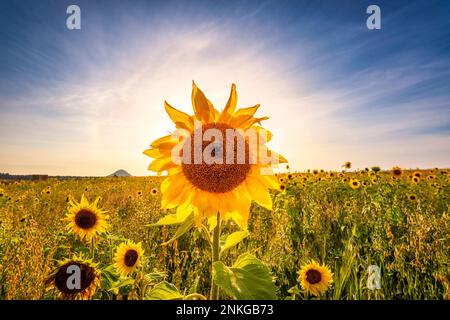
[
  {"x": 93, "y": 248},
  {"x": 215, "y": 257}
]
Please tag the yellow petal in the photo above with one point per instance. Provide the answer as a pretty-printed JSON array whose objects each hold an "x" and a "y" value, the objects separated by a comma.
[
  {"x": 259, "y": 192},
  {"x": 181, "y": 119},
  {"x": 203, "y": 108},
  {"x": 230, "y": 106},
  {"x": 170, "y": 139},
  {"x": 155, "y": 153},
  {"x": 159, "y": 165}
]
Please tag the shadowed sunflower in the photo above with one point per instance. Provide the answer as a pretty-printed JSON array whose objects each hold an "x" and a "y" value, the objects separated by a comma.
[
  {"x": 85, "y": 219},
  {"x": 62, "y": 279},
  {"x": 417, "y": 174},
  {"x": 397, "y": 172},
  {"x": 225, "y": 187},
  {"x": 128, "y": 257},
  {"x": 315, "y": 278}
]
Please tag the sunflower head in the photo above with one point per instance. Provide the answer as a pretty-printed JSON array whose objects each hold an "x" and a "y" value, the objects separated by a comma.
[
  {"x": 128, "y": 257},
  {"x": 397, "y": 172},
  {"x": 412, "y": 197},
  {"x": 63, "y": 279},
  {"x": 154, "y": 192},
  {"x": 315, "y": 278},
  {"x": 354, "y": 183},
  {"x": 347, "y": 165},
  {"x": 417, "y": 174},
  {"x": 215, "y": 161},
  {"x": 86, "y": 220},
  {"x": 415, "y": 179}
]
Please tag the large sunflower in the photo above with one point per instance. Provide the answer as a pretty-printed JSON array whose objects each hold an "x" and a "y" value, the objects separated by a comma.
[
  {"x": 315, "y": 278},
  {"x": 128, "y": 257},
  {"x": 206, "y": 188},
  {"x": 86, "y": 220},
  {"x": 60, "y": 279}
]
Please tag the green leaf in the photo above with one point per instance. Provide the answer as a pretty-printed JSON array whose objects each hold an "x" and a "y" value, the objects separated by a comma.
[
  {"x": 234, "y": 238},
  {"x": 122, "y": 283},
  {"x": 109, "y": 277},
  {"x": 167, "y": 220},
  {"x": 185, "y": 227},
  {"x": 164, "y": 291},
  {"x": 247, "y": 279}
]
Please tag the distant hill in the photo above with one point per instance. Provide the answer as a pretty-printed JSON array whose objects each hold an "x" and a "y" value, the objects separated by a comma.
[{"x": 120, "y": 173}]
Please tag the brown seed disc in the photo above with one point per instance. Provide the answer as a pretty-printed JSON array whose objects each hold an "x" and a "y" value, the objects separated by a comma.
[
  {"x": 215, "y": 177},
  {"x": 131, "y": 257},
  {"x": 313, "y": 276},
  {"x": 87, "y": 276},
  {"x": 85, "y": 219}
]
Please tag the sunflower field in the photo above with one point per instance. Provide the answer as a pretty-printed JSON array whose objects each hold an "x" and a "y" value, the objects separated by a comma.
[{"x": 324, "y": 231}]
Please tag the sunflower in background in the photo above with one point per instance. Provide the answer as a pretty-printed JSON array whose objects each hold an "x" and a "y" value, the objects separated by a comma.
[
  {"x": 86, "y": 220},
  {"x": 347, "y": 165},
  {"x": 354, "y": 183},
  {"x": 128, "y": 257},
  {"x": 154, "y": 192},
  {"x": 397, "y": 172},
  {"x": 207, "y": 189},
  {"x": 61, "y": 277},
  {"x": 315, "y": 278}
]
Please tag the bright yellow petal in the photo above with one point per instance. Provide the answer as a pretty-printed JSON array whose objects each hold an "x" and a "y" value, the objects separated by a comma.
[
  {"x": 181, "y": 119},
  {"x": 203, "y": 108},
  {"x": 228, "y": 111}
]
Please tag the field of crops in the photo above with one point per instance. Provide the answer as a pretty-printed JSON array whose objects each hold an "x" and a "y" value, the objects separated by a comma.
[{"x": 400, "y": 224}]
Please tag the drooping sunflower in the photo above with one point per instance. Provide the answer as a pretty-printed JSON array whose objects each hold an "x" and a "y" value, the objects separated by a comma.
[
  {"x": 128, "y": 257},
  {"x": 347, "y": 165},
  {"x": 354, "y": 183},
  {"x": 62, "y": 279},
  {"x": 315, "y": 278},
  {"x": 397, "y": 172},
  {"x": 86, "y": 220},
  {"x": 206, "y": 188}
]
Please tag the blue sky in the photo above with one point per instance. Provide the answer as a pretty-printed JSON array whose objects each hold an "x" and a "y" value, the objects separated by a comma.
[{"x": 89, "y": 101}]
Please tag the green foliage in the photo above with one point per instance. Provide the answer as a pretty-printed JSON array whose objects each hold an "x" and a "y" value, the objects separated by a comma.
[{"x": 247, "y": 279}]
